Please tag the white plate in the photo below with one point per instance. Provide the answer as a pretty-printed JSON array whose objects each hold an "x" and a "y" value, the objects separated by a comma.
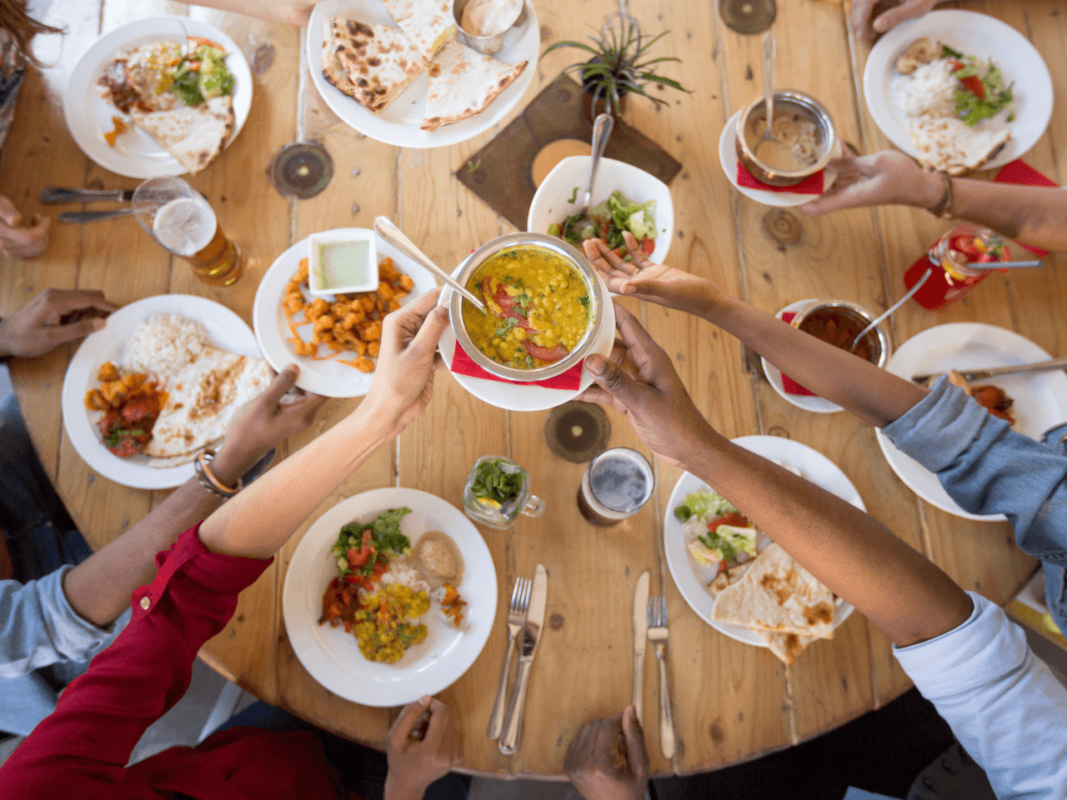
[
  {"x": 774, "y": 375},
  {"x": 552, "y": 203},
  {"x": 226, "y": 331},
  {"x": 692, "y": 579},
  {"x": 971, "y": 34},
  {"x": 136, "y": 154},
  {"x": 272, "y": 331},
  {"x": 1040, "y": 399},
  {"x": 400, "y": 122},
  {"x": 728, "y": 159},
  {"x": 332, "y": 656},
  {"x": 524, "y": 397}
]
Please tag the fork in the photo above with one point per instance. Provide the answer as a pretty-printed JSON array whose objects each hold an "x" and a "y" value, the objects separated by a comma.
[
  {"x": 658, "y": 635},
  {"x": 520, "y": 602}
]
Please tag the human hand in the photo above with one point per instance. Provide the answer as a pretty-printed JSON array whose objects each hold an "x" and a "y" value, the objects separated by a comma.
[
  {"x": 862, "y": 11},
  {"x": 267, "y": 422},
  {"x": 403, "y": 380},
  {"x": 655, "y": 283},
  {"x": 51, "y": 318},
  {"x": 17, "y": 241},
  {"x": 607, "y": 759},
  {"x": 291, "y": 12},
  {"x": 416, "y": 763},
  {"x": 884, "y": 178},
  {"x": 648, "y": 391}
]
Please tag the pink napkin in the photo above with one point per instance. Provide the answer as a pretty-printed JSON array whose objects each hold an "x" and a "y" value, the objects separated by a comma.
[
  {"x": 1021, "y": 174},
  {"x": 569, "y": 381},
  {"x": 813, "y": 184},
  {"x": 790, "y": 385}
]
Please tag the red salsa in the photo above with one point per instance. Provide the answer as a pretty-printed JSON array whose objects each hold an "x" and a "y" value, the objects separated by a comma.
[{"x": 840, "y": 326}]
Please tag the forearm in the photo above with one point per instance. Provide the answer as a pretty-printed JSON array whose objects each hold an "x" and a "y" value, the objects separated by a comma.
[
  {"x": 1036, "y": 215},
  {"x": 872, "y": 394},
  {"x": 855, "y": 556}
]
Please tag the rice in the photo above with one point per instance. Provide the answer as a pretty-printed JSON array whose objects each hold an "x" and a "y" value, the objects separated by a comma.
[
  {"x": 929, "y": 91},
  {"x": 401, "y": 572},
  {"x": 163, "y": 344}
]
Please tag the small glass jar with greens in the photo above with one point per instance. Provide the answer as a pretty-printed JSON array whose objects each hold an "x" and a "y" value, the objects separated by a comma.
[{"x": 497, "y": 491}]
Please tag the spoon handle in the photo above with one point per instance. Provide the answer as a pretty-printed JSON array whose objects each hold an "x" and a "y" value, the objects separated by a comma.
[
  {"x": 769, "y": 50},
  {"x": 385, "y": 228},
  {"x": 1037, "y": 262},
  {"x": 602, "y": 127},
  {"x": 894, "y": 307}
]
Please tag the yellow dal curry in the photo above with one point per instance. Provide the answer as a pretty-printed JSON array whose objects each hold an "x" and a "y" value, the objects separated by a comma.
[{"x": 539, "y": 308}]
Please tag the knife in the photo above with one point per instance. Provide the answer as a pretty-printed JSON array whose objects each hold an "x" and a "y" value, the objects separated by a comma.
[
  {"x": 993, "y": 372},
  {"x": 78, "y": 217},
  {"x": 531, "y": 637},
  {"x": 640, "y": 637},
  {"x": 51, "y": 195}
]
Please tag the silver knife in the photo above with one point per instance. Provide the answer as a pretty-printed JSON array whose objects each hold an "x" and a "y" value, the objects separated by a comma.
[
  {"x": 78, "y": 217},
  {"x": 51, "y": 195},
  {"x": 993, "y": 372},
  {"x": 531, "y": 637},
  {"x": 640, "y": 638}
]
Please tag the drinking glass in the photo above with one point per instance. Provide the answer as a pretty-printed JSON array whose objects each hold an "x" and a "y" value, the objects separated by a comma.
[
  {"x": 615, "y": 485},
  {"x": 952, "y": 278},
  {"x": 502, "y": 516},
  {"x": 176, "y": 215}
]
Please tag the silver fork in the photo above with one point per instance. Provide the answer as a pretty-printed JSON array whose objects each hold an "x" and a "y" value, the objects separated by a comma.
[
  {"x": 658, "y": 635},
  {"x": 520, "y": 602}
]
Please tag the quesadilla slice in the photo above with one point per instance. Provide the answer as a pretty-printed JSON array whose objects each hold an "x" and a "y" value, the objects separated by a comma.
[
  {"x": 429, "y": 24},
  {"x": 777, "y": 594},
  {"x": 379, "y": 61},
  {"x": 463, "y": 83},
  {"x": 947, "y": 144},
  {"x": 194, "y": 135},
  {"x": 332, "y": 68}
]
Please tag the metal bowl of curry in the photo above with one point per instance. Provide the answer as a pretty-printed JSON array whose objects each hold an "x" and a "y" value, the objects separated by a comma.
[
  {"x": 802, "y": 141},
  {"x": 544, "y": 307},
  {"x": 837, "y": 322}
]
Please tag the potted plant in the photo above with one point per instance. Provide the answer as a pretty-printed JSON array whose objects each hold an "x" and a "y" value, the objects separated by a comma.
[{"x": 619, "y": 66}]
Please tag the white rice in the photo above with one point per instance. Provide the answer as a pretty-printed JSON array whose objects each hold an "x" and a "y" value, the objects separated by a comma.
[
  {"x": 163, "y": 344},
  {"x": 927, "y": 92},
  {"x": 401, "y": 572}
]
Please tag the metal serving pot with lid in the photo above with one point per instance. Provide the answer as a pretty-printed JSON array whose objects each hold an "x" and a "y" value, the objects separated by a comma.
[
  {"x": 883, "y": 348},
  {"x": 597, "y": 293}
]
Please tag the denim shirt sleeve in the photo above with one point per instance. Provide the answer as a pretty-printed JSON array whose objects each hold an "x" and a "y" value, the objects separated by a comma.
[
  {"x": 988, "y": 468},
  {"x": 38, "y": 627}
]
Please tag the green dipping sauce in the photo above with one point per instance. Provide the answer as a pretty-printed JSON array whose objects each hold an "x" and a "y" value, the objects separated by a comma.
[{"x": 343, "y": 264}]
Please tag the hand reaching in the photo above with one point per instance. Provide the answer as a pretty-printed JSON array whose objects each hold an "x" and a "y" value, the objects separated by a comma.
[
  {"x": 17, "y": 241},
  {"x": 607, "y": 759},
  {"x": 415, "y": 763},
  {"x": 51, "y": 318},
  {"x": 884, "y": 178},
  {"x": 863, "y": 10},
  {"x": 655, "y": 283},
  {"x": 648, "y": 391}
]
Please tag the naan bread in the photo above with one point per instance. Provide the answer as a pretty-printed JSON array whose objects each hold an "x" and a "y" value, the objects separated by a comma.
[
  {"x": 195, "y": 135},
  {"x": 787, "y": 646},
  {"x": 202, "y": 401},
  {"x": 429, "y": 24},
  {"x": 332, "y": 68},
  {"x": 379, "y": 61},
  {"x": 947, "y": 144},
  {"x": 463, "y": 83},
  {"x": 777, "y": 594},
  {"x": 728, "y": 577}
]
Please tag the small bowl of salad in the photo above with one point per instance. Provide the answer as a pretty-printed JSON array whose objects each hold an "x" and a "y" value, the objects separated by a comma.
[{"x": 626, "y": 198}]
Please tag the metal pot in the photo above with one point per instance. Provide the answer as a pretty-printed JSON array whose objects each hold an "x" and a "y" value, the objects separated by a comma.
[
  {"x": 786, "y": 100},
  {"x": 489, "y": 45},
  {"x": 885, "y": 347},
  {"x": 595, "y": 287}
]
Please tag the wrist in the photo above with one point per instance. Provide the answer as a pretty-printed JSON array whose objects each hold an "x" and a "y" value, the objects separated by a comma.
[
  {"x": 381, "y": 420},
  {"x": 398, "y": 789},
  {"x": 231, "y": 463},
  {"x": 928, "y": 191},
  {"x": 712, "y": 302}
]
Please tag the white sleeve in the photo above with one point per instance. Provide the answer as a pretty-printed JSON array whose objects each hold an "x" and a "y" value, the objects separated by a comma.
[{"x": 1004, "y": 705}]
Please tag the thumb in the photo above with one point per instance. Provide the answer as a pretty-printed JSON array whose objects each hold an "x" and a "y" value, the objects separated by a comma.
[
  {"x": 76, "y": 330},
  {"x": 635, "y": 741},
  {"x": 897, "y": 15},
  {"x": 9, "y": 214},
  {"x": 612, "y": 379},
  {"x": 282, "y": 384},
  {"x": 643, "y": 285}
]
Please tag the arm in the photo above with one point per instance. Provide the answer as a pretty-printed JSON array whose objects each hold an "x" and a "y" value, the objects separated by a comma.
[
  {"x": 862, "y": 11},
  {"x": 292, "y": 12},
  {"x": 1036, "y": 215}
]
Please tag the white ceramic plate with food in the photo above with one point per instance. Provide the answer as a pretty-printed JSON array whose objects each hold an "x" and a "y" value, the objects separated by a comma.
[
  {"x": 553, "y": 201},
  {"x": 325, "y": 377},
  {"x": 692, "y": 578},
  {"x": 774, "y": 375},
  {"x": 226, "y": 331},
  {"x": 1040, "y": 400},
  {"x": 400, "y": 122},
  {"x": 974, "y": 34},
  {"x": 517, "y": 396},
  {"x": 88, "y": 115},
  {"x": 332, "y": 656}
]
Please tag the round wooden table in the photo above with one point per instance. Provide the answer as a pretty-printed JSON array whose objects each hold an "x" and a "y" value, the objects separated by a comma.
[{"x": 732, "y": 701}]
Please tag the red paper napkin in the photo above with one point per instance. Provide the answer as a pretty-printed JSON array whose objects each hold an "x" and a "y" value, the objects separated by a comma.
[
  {"x": 790, "y": 385},
  {"x": 569, "y": 381},
  {"x": 1021, "y": 174},
  {"x": 813, "y": 184}
]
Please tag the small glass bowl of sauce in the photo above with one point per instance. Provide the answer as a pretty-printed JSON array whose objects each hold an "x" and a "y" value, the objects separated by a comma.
[{"x": 838, "y": 322}]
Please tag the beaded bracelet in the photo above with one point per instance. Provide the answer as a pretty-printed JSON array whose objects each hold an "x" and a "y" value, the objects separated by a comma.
[{"x": 209, "y": 481}]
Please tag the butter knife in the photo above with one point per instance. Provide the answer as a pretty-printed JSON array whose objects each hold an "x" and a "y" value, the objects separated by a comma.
[
  {"x": 61, "y": 194},
  {"x": 993, "y": 372},
  {"x": 640, "y": 638},
  {"x": 531, "y": 637}
]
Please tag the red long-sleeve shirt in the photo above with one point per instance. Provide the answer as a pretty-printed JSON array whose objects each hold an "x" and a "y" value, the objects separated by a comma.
[{"x": 82, "y": 749}]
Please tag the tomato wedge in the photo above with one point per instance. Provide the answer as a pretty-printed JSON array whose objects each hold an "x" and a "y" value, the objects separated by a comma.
[
  {"x": 549, "y": 354},
  {"x": 648, "y": 246},
  {"x": 357, "y": 558},
  {"x": 971, "y": 83}
]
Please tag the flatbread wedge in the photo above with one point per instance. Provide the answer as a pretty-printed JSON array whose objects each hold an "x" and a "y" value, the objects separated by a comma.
[
  {"x": 778, "y": 595},
  {"x": 332, "y": 68},
  {"x": 379, "y": 61},
  {"x": 463, "y": 83},
  {"x": 787, "y": 646},
  {"x": 429, "y": 24},
  {"x": 194, "y": 135},
  {"x": 947, "y": 144}
]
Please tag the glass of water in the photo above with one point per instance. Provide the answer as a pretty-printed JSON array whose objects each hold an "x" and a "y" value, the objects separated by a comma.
[{"x": 616, "y": 484}]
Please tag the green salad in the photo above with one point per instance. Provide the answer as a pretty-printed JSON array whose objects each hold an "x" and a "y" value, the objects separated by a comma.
[
  {"x": 607, "y": 221},
  {"x": 724, "y": 532},
  {"x": 984, "y": 94},
  {"x": 362, "y": 546}
]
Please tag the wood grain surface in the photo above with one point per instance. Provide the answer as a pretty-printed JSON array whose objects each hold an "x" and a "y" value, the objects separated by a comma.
[{"x": 732, "y": 701}]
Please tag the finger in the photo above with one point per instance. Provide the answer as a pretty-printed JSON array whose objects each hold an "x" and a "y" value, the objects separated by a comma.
[
  {"x": 76, "y": 330},
  {"x": 9, "y": 214},
  {"x": 898, "y": 14},
  {"x": 593, "y": 254},
  {"x": 62, "y": 302},
  {"x": 640, "y": 260},
  {"x": 857, "y": 195},
  {"x": 426, "y": 340},
  {"x": 398, "y": 734},
  {"x": 440, "y": 719},
  {"x": 285, "y": 381},
  {"x": 635, "y": 742},
  {"x": 614, "y": 380},
  {"x": 39, "y": 228},
  {"x": 580, "y": 750},
  {"x": 406, "y": 322},
  {"x": 614, "y": 260},
  {"x": 861, "y": 16},
  {"x": 639, "y": 344}
]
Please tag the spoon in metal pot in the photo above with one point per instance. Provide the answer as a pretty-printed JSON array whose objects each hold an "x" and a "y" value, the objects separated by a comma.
[
  {"x": 602, "y": 127},
  {"x": 385, "y": 228},
  {"x": 770, "y": 48},
  {"x": 894, "y": 307}
]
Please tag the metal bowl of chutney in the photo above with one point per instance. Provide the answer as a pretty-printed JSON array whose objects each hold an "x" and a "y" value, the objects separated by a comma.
[
  {"x": 837, "y": 322},
  {"x": 778, "y": 164}
]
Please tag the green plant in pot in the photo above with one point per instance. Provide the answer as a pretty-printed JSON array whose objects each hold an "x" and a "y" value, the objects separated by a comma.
[{"x": 620, "y": 65}]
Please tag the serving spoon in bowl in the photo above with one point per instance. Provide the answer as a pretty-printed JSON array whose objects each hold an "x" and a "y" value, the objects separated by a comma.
[{"x": 602, "y": 127}]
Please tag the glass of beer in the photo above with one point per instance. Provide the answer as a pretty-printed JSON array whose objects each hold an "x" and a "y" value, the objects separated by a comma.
[
  {"x": 183, "y": 222},
  {"x": 616, "y": 484}
]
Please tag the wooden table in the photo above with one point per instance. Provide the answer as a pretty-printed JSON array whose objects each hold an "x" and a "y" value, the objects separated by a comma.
[{"x": 732, "y": 701}]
